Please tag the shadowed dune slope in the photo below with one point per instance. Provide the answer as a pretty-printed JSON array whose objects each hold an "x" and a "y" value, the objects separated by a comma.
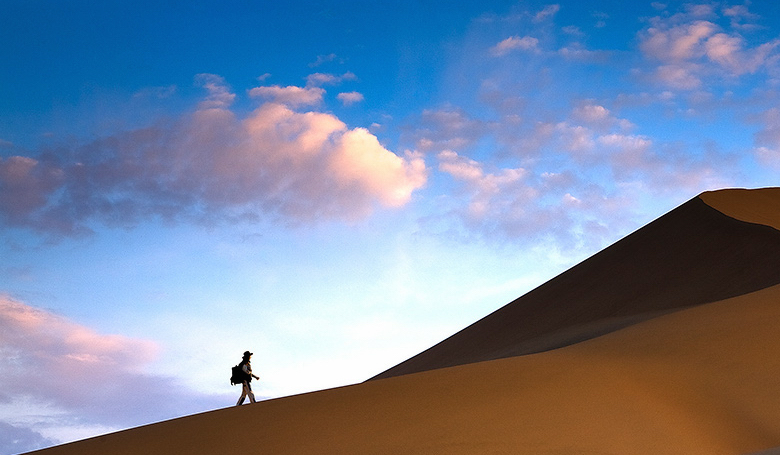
[
  {"x": 694, "y": 254},
  {"x": 700, "y": 381}
]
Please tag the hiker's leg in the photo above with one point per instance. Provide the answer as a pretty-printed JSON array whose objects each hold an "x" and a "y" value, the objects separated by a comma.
[
  {"x": 243, "y": 395},
  {"x": 249, "y": 392}
]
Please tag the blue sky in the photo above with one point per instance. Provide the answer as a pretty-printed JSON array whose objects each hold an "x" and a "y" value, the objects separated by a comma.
[{"x": 334, "y": 186}]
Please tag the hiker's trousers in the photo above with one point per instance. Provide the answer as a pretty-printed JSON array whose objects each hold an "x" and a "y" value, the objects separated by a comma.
[{"x": 246, "y": 391}]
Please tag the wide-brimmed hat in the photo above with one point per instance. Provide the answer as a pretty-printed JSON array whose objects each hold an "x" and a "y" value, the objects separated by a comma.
[{"x": 247, "y": 353}]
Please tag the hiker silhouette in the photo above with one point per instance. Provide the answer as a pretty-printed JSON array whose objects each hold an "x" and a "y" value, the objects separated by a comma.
[{"x": 246, "y": 379}]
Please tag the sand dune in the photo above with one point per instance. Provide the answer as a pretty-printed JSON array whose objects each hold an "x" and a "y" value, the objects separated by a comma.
[
  {"x": 700, "y": 381},
  {"x": 699, "y": 377},
  {"x": 695, "y": 254}
]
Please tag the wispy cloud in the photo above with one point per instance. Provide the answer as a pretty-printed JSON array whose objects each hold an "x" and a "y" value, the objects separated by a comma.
[
  {"x": 322, "y": 59},
  {"x": 514, "y": 43},
  {"x": 547, "y": 12},
  {"x": 447, "y": 128}
]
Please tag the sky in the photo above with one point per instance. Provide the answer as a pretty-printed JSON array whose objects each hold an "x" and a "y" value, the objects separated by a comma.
[{"x": 332, "y": 185}]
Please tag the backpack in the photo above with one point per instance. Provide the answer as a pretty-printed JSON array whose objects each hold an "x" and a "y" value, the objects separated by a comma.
[{"x": 237, "y": 375}]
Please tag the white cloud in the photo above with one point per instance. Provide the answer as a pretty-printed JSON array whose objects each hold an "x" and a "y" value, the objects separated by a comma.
[
  {"x": 513, "y": 43},
  {"x": 349, "y": 98}
]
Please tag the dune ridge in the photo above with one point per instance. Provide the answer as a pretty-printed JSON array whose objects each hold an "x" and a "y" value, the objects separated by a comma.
[{"x": 694, "y": 254}]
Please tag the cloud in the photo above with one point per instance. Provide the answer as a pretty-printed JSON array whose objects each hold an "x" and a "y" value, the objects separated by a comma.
[
  {"x": 688, "y": 48},
  {"x": 292, "y": 96},
  {"x": 349, "y": 98},
  {"x": 547, "y": 12},
  {"x": 767, "y": 139},
  {"x": 16, "y": 439},
  {"x": 322, "y": 59},
  {"x": 220, "y": 96},
  {"x": 448, "y": 128},
  {"x": 295, "y": 167},
  {"x": 85, "y": 376},
  {"x": 319, "y": 79},
  {"x": 503, "y": 195},
  {"x": 513, "y": 43},
  {"x": 25, "y": 187},
  {"x": 598, "y": 117}
]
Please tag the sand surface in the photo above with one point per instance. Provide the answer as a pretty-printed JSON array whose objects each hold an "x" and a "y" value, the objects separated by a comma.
[
  {"x": 760, "y": 206},
  {"x": 700, "y": 381}
]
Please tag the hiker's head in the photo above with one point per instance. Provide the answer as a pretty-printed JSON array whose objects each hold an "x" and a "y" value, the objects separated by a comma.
[{"x": 247, "y": 355}]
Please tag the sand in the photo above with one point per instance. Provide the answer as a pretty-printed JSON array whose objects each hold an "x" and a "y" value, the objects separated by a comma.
[
  {"x": 700, "y": 379},
  {"x": 760, "y": 206}
]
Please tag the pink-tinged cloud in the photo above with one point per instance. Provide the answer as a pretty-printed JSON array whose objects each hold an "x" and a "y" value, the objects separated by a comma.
[
  {"x": 319, "y": 79},
  {"x": 547, "y": 12},
  {"x": 492, "y": 196},
  {"x": 598, "y": 117},
  {"x": 53, "y": 361},
  {"x": 447, "y": 129},
  {"x": 25, "y": 187},
  {"x": 350, "y": 98},
  {"x": 65, "y": 347},
  {"x": 220, "y": 96},
  {"x": 688, "y": 49},
  {"x": 291, "y": 95},
  {"x": 678, "y": 43},
  {"x": 515, "y": 43},
  {"x": 212, "y": 166}
]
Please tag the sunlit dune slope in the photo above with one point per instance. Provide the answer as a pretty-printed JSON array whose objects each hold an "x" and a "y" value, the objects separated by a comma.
[
  {"x": 760, "y": 206},
  {"x": 695, "y": 254},
  {"x": 704, "y": 380}
]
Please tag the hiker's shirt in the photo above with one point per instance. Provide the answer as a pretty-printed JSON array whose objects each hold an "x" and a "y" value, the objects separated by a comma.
[{"x": 248, "y": 370}]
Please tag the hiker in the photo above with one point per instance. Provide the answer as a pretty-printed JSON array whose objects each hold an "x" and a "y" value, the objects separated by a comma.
[{"x": 246, "y": 390}]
